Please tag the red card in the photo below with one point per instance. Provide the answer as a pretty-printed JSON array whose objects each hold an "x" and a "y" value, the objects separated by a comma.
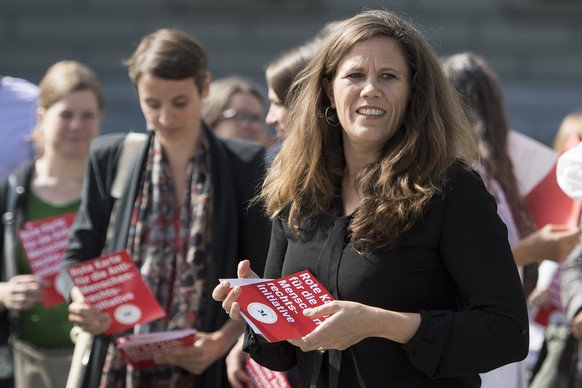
[
  {"x": 542, "y": 314},
  {"x": 274, "y": 308},
  {"x": 264, "y": 377},
  {"x": 535, "y": 168},
  {"x": 139, "y": 349},
  {"x": 113, "y": 284},
  {"x": 550, "y": 205},
  {"x": 45, "y": 242}
]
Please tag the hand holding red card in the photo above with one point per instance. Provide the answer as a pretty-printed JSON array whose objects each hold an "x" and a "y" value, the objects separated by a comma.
[
  {"x": 274, "y": 307},
  {"x": 114, "y": 285},
  {"x": 139, "y": 349}
]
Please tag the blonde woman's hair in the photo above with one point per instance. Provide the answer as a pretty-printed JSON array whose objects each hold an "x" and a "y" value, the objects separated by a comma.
[
  {"x": 60, "y": 80},
  {"x": 305, "y": 177},
  {"x": 571, "y": 124}
]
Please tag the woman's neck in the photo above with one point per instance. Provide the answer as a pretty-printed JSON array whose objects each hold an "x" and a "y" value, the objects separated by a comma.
[
  {"x": 58, "y": 180},
  {"x": 355, "y": 163}
]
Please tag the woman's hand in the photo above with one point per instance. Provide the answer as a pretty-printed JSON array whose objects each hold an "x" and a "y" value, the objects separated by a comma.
[
  {"x": 552, "y": 242},
  {"x": 350, "y": 322},
  {"x": 22, "y": 292},
  {"x": 235, "y": 366},
  {"x": 221, "y": 292},
  {"x": 207, "y": 348},
  {"x": 539, "y": 297},
  {"x": 89, "y": 318}
]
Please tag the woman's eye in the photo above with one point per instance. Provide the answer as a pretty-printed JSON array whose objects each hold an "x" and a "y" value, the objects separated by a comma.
[
  {"x": 355, "y": 75},
  {"x": 66, "y": 115},
  {"x": 388, "y": 76}
]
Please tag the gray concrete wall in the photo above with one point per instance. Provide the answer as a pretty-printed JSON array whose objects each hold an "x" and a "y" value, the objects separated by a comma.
[{"x": 534, "y": 45}]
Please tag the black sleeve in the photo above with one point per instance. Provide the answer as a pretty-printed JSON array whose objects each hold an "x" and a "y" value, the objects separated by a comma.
[
  {"x": 89, "y": 230},
  {"x": 490, "y": 328}
]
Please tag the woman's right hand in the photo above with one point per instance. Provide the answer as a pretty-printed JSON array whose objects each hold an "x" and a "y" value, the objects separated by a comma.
[
  {"x": 22, "y": 292},
  {"x": 551, "y": 242},
  {"x": 221, "y": 291},
  {"x": 89, "y": 318}
]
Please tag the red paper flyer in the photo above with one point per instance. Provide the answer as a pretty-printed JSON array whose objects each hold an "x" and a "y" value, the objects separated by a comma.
[
  {"x": 113, "y": 284},
  {"x": 44, "y": 242},
  {"x": 139, "y": 349},
  {"x": 262, "y": 377},
  {"x": 274, "y": 307},
  {"x": 535, "y": 168},
  {"x": 542, "y": 314}
]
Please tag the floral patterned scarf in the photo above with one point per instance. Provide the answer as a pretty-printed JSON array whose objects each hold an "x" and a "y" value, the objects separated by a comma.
[{"x": 170, "y": 245}]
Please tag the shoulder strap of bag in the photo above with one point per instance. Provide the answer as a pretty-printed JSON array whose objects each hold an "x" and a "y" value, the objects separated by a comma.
[
  {"x": 83, "y": 340},
  {"x": 131, "y": 145},
  {"x": 9, "y": 220}
]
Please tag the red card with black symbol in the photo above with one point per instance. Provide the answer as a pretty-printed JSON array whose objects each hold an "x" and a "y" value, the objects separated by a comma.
[{"x": 274, "y": 307}]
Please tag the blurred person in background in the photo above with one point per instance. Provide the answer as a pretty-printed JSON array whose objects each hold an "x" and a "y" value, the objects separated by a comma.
[
  {"x": 235, "y": 109},
  {"x": 553, "y": 367},
  {"x": 475, "y": 81},
  {"x": 18, "y": 103},
  {"x": 571, "y": 124},
  {"x": 70, "y": 109}
]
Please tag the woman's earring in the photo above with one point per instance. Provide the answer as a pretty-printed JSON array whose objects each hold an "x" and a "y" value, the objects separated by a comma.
[{"x": 331, "y": 117}]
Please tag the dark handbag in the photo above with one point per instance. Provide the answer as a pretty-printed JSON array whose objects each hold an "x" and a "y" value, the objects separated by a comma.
[{"x": 7, "y": 318}]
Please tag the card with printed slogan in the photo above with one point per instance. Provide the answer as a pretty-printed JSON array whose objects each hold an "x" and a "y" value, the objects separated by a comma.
[
  {"x": 113, "y": 284},
  {"x": 44, "y": 242},
  {"x": 274, "y": 307},
  {"x": 139, "y": 349},
  {"x": 264, "y": 377}
]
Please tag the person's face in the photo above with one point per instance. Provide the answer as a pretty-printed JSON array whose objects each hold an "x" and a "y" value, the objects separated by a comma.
[
  {"x": 243, "y": 119},
  {"x": 172, "y": 108},
  {"x": 370, "y": 92},
  {"x": 276, "y": 114},
  {"x": 69, "y": 125}
]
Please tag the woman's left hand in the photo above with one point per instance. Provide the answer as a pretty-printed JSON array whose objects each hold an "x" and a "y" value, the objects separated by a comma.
[
  {"x": 348, "y": 324},
  {"x": 207, "y": 348}
]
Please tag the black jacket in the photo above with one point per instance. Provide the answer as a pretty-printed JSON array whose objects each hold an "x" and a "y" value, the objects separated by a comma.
[
  {"x": 11, "y": 221},
  {"x": 454, "y": 267}
]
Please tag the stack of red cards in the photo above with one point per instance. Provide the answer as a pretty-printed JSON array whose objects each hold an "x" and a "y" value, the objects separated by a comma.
[
  {"x": 139, "y": 349},
  {"x": 274, "y": 308}
]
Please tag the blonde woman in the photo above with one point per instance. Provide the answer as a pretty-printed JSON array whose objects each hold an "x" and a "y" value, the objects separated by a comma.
[{"x": 69, "y": 118}]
